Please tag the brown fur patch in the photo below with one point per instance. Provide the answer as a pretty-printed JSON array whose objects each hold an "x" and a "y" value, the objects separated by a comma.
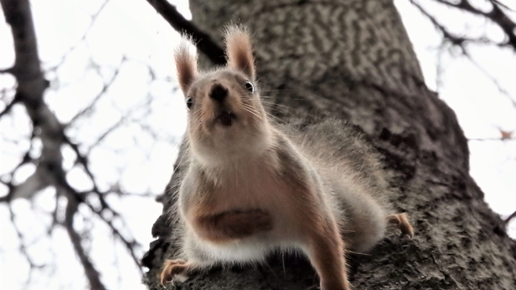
[
  {"x": 186, "y": 65},
  {"x": 239, "y": 50},
  {"x": 326, "y": 254},
  {"x": 227, "y": 226}
]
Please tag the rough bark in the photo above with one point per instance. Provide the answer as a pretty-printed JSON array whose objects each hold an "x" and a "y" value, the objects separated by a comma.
[{"x": 352, "y": 59}]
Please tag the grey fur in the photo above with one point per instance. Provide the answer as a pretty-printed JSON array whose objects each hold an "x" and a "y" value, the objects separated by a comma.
[{"x": 352, "y": 178}]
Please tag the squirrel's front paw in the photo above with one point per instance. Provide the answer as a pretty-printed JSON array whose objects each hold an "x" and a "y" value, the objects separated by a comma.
[{"x": 172, "y": 268}]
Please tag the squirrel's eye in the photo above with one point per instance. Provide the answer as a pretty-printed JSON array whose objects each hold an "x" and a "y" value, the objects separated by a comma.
[
  {"x": 249, "y": 86},
  {"x": 189, "y": 103}
]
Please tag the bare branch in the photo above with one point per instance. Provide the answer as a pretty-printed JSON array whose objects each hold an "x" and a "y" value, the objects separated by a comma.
[
  {"x": 460, "y": 41},
  {"x": 7, "y": 70},
  {"x": 509, "y": 218},
  {"x": 83, "y": 160},
  {"x": 92, "y": 273},
  {"x": 102, "y": 92},
  {"x": 203, "y": 41},
  {"x": 491, "y": 139},
  {"x": 23, "y": 246},
  {"x": 9, "y": 106},
  {"x": 496, "y": 15},
  {"x": 501, "y": 5},
  {"x": 129, "y": 244},
  {"x": 10, "y": 187},
  {"x": 493, "y": 80},
  {"x": 31, "y": 86},
  {"x": 106, "y": 133},
  {"x": 36, "y": 182},
  {"x": 78, "y": 198},
  {"x": 455, "y": 40},
  {"x": 25, "y": 159},
  {"x": 83, "y": 37}
]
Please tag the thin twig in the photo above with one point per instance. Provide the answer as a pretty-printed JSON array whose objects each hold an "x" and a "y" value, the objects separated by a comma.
[
  {"x": 9, "y": 107},
  {"x": 496, "y": 15},
  {"x": 491, "y": 139},
  {"x": 102, "y": 92},
  {"x": 509, "y": 218},
  {"x": 83, "y": 37},
  {"x": 92, "y": 273},
  {"x": 460, "y": 41}
]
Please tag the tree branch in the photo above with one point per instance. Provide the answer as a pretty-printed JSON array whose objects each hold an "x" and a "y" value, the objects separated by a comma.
[
  {"x": 31, "y": 86},
  {"x": 509, "y": 218},
  {"x": 6, "y": 70},
  {"x": 460, "y": 41},
  {"x": 92, "y": 273},
  {"x": 102, "y": 92},
  {"x": 203, "y": 41},
  {"x": 491, "y": 139},
  {"x": 455, "y": 40},
  {"x": 23, "y": 247},
  {"x": 9, "y": 106},
  {"x": 496, "y": 15},
  {"x": 93, "y": 18}
]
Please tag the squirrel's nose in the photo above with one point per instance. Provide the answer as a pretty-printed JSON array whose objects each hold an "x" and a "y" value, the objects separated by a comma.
[{"x": 218, "y": 93}]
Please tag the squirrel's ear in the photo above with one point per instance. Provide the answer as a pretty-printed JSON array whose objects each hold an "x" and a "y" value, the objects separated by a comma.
[
  {"x": 186, "y": 63},
  {"x": 239, "y": 51}
]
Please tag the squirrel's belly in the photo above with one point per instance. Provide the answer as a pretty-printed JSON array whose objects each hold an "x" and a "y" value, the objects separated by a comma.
[
  {"x": 237, "y": 251},
  {"x": 253, "y": 249}
]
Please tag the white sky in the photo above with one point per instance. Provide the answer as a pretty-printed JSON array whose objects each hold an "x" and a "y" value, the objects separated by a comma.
[{"x": 133, "y": 30}]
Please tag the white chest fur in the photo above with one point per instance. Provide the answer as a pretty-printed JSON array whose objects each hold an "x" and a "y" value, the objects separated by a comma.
[{"x": 248, "y": 185}]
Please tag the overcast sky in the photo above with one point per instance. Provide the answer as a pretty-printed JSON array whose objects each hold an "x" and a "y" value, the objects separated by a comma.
[{"x": 127, "y": 39}]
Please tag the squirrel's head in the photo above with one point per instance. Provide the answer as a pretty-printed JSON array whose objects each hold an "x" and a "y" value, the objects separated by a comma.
[{"x": 226, "y": 119}]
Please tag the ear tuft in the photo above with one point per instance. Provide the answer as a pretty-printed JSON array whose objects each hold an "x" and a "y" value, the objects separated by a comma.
[
  {"x": 239, "y": 50},
  {"x": 186, "y": 63}
]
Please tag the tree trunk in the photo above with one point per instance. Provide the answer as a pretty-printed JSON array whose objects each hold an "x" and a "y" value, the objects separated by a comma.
[{"x": 352, "y": 59}]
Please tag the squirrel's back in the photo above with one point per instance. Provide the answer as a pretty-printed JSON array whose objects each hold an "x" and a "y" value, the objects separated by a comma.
[{"x": 352, "y": 176}]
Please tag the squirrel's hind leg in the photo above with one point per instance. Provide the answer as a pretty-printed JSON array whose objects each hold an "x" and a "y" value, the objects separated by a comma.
[{"x": 401, "y": 221}]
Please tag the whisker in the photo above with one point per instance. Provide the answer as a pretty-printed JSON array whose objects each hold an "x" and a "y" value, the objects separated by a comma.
[
  {"x": 252, "y": 110},
  {"x": 249, "y": 107},
  {"x": 277, "y": 97},
  {"x": 275, "y": 104},
  {"x": 198, "y": 121},
  {"x": 280, "y": 90},
  {"x": 274, "y": 118}
]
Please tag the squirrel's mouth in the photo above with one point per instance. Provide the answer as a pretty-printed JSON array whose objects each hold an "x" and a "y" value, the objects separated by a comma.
[{"x": 226, "y": 118}]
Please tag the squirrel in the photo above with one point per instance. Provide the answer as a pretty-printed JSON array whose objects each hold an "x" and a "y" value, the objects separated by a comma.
[{"x": 252, "y": 187}]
